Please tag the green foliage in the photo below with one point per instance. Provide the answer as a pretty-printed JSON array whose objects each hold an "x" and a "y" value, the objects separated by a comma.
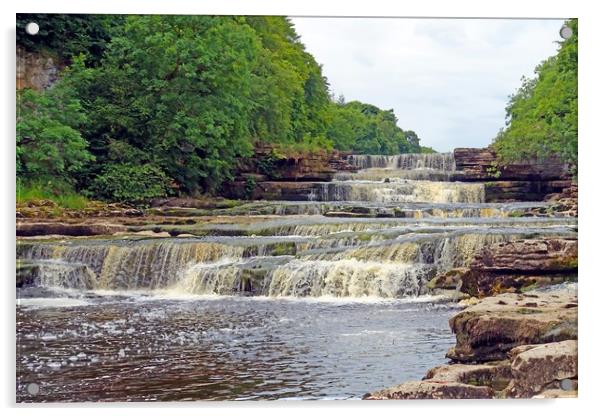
[
  {"x": 168, "y": 104},
  {"x": 49, "y": 144},
  {"x": 426, "y": 149},
  {"x": 175, "y": 91},
  {"x": 68, "y": 34},
  {"x": 130, "y": 183},
  {"x": 541, "y": 117},
  {"x": 365, "y": 128},
  {"x": 250, "y": 185},
  {"x": 289, "y": 90}
]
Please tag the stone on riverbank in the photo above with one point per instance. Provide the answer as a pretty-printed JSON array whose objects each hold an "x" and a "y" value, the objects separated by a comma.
[
  {"x": 432, "y": 390},
  {"x": 542, "y": 367},
  {"x": 530, "y": 371},
  {"x": 491, "y": 328}
]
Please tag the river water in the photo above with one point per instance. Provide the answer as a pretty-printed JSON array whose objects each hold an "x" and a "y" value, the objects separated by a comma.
[{"x": 324, "y": 299}]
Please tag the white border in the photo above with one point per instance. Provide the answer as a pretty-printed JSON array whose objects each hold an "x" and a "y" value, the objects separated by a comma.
[{"x": 589, "y": 173}]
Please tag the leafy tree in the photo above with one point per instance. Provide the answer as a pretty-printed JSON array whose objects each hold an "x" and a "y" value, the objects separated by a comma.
[
  {"x": 365, "y": 128},
  {"x": 289, "y": 90},
  {"x": 541, "y": 117},
  {"x": 69, "y": 35},
  {"x": 49, "y": 144},
  {"x": 176, "y": 91}
]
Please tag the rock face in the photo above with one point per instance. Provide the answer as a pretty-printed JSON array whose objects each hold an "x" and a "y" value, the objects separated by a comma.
[
  {"x": 491, "y": 328},
  {"x": 535, "y": 190},
  {"x": 480, "y": 164},
  {"x": 528, "y": 181},
  {"x": 511, "y": 266},
  {"x": 267, "y": 165},
  {"x": 432, "y": 390},
  {"x": 269, "y": 176},
  {"x": 272, "y": 190},
  {"x": 36, "y": 71}
]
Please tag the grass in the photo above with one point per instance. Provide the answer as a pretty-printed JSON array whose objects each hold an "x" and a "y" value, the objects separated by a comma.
[{"x": 63, "y": 199}]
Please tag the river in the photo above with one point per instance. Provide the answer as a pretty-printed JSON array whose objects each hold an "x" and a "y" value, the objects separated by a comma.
[{"x": 324, "y": 299}]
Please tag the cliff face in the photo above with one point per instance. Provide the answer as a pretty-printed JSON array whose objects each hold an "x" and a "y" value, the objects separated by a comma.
[
  {"x": 35, "y": 70},
  {"x": 480, "y": 164},
  {"x": 270, "y": 177},
  {"x": 527, "y": 181}
]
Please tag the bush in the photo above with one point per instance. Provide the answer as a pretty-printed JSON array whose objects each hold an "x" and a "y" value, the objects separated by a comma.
[{"x": 130, "y": 183}]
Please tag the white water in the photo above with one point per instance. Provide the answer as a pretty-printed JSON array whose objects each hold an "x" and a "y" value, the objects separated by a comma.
[{"x": 442, "y": 225}]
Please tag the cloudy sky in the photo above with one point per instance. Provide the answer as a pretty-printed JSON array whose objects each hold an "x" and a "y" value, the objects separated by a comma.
[{"x": 446, "y": 79}]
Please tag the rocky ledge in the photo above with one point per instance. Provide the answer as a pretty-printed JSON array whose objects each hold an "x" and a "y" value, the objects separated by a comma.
[
  {"x": 514, "y": 266},
  {"x": 531, "y": 180},
  {"x": 507, "y": 346}
]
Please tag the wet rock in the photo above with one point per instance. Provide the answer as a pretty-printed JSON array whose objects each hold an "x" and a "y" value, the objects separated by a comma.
[
  {"x": 541, "y": 367},
  {"x": 448, "y": 280},
  {"x": 428, "y": 389},
  {"x": 495, "y": 375},
  {"x": 489, "y": 329},
  {"x": 556, "y": 394}
]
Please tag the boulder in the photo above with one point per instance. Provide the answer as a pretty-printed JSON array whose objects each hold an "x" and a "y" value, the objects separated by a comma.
[
  {"x": 542, "y": 367},
  {"x": 449, "y": 280},
  {"x": 488, "y": 330},
  {"x": 429, "y": 389}
]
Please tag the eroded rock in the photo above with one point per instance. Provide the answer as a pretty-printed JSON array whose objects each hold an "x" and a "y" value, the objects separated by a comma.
[
  {"x": 514, "y": 265},
  {"x": 429, "y": 389},
  {"x": 538, "y": 367},
  {"x": 491, "y": 328}
]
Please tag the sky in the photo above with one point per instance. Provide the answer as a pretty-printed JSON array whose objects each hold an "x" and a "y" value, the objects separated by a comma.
[{"x": 446, "y": 79}]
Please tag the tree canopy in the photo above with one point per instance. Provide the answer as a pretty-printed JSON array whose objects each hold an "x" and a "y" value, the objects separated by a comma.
[
  {"x": 171, "y": 103},
  {"x": 541, "y": 117}
]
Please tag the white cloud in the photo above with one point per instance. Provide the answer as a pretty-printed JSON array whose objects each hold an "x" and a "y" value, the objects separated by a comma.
[{"x": 447, "y": 79}]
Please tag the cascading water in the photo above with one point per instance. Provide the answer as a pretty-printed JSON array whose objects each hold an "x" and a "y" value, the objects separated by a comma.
[
  {"x": 433, "y": 227},
  {"x": 271, "y": 299},
  {"x": 408, "y": 161}
]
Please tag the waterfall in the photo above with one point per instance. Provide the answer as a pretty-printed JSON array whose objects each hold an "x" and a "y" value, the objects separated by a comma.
[
  {"x": 349, "y": 266},
  {"x": 348, "y": 278},
  {"x": 402, "y": 191},
  {"x": 407, "y": 161},
  {"x": 143, "y": 265}
]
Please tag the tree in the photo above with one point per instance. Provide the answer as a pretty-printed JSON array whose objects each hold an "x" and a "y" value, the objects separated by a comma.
[
  {"x": 176, "y": 91},
  {"x": 541, "y": 117},
  {"x": 49, "y": 144},
  {"x": 365, "y": 128},
  {"x": 68, "y": 35}
]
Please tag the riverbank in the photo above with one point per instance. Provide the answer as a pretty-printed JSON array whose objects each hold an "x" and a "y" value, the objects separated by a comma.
[{"x": 518, "y": 339}]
